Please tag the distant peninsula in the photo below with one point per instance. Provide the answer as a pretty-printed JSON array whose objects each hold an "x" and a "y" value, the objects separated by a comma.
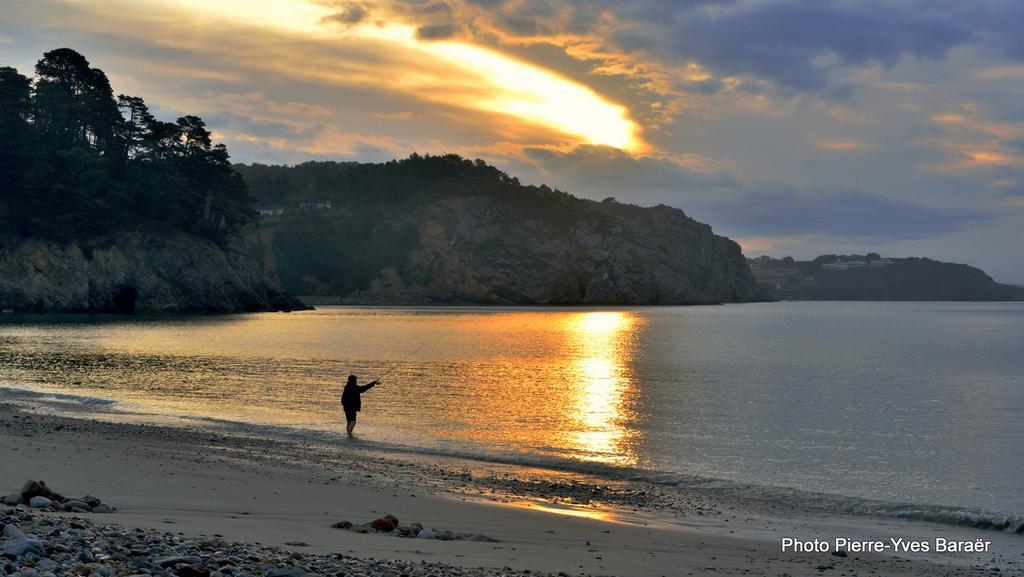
[
  {"x": 872, "y": 277},
  {"x": 448, "y": 230},
  {"x": 105, "y": 208}
]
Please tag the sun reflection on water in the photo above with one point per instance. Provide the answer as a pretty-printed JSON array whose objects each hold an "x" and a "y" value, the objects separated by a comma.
[
  {"x": 602, "y": 381},
  {"x": 552, "y": 382}
]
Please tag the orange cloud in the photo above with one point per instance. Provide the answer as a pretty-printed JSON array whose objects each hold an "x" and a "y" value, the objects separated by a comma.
[
  {"x": 394, "y": 115},
  {"x": 385, "y": 56},
  {"x": 839, "y": 145},
  {"x": 974, "y": 141}
]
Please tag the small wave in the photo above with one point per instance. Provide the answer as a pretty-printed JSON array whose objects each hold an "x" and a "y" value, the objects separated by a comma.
[
  {"x": 714, "y": 488},
  {"x": 61, "y": 397},
  {"x": 720, "y": 489},
  {"x": 844, "y": 504}
]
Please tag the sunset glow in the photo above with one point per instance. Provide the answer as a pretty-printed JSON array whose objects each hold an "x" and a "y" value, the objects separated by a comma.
[
  {"x": 489, "y": 81},
  {"x": 839, "y": 142},
  {"x": 508, "y": 86}
]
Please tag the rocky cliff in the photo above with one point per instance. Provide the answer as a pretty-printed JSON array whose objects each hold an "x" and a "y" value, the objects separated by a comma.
[
  {"x": 472, "y": 249},
  {"x": 458, "y": 233},
  {"x": 874, "y": 278},
  {"x": 133, "y": 272}
]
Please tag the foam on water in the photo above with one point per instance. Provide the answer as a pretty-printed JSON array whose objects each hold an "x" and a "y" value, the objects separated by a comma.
[
  {"x": 744, "y": 493},
  {"x": 57, "y": 397}
]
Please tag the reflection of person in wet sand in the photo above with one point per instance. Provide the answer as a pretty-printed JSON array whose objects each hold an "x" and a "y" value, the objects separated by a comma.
[{"x": 351, "y": 400}]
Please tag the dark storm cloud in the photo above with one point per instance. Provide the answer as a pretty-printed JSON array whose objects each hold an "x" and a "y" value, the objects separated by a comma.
[
  {"x": 843, "y": 212},
  {"x": 792, "y": 43},
  {"x": 742, "y": 207}
]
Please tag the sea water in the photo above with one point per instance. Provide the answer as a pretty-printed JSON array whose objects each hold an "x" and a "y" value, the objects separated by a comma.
[{"x": 906, "y": 409}]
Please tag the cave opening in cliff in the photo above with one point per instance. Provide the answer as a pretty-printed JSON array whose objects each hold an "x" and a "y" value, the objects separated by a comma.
[{"x": 124, "y": 300}]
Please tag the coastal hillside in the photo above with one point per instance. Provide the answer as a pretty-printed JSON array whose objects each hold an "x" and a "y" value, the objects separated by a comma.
[
  {"x": 443, "y": 229},
  {"x": 134, "y": 272},
  {"x": 874, "y": 278},
  {"x": 107, "y": 209}
]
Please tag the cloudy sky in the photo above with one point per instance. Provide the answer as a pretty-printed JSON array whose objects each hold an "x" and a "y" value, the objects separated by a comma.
[{"x": 796, "y": 127}]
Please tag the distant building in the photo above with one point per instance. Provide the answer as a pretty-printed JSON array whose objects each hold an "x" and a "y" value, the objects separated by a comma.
[
  {"x": 275, "y": 211},
  {"x": 853, "y": 264},
  {"x": 311, "y": 206},
  {"x": 845, "y": 265}
]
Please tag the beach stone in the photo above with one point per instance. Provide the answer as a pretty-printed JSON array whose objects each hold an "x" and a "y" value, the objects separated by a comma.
[
  {"x": 393, "y": 519},
  {"x": 171, "y": 561},
  {"x": 383, "y": 525},
  {"x": 72, "y": 504},
  {"x": 33, "y": 489},
  {"x": 13, "y": 499},
  {"x": 407, "y": 530},
  {"x": 22, "y": 546},
  {"x": 13, "y": 532},
  {"x": 426, "y": 533},
  {"x": 86, "y": 557},
  {"x": 342, "y": 525},
  {"x": 92, "y": 501},
  {"x": 102, "y": 508},
  {"x": 286, "y": 572},
  {"x": 192, "y": 571},
  {"x": 38, "y": 502}
]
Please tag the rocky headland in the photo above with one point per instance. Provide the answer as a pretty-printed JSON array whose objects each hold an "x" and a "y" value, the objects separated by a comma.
[
  {"x": 133, "y": 272},
  {"x": 875, "y": 278},
  {"x": 449, "y": 230}
]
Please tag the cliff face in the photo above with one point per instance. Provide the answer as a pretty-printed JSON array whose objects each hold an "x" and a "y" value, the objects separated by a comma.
[
  {"x": 134, "y": 272},
  {"x": 484, "y": 249}
]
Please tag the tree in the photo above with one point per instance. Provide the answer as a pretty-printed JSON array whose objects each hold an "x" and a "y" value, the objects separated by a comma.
[
  {"x": 76, "y": 162},
  {"x": 15, "y": 131}
]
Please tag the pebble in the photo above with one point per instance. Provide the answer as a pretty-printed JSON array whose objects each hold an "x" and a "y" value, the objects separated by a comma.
[
  {"x": 39, "y": 496},
  {"x": 23, "y": 546},
  {"x": 38, "y": 502},
  {"x": 389, "y": 524},
  {"x": 12, "y": 532},
  {"x": 80, "y": 547}
]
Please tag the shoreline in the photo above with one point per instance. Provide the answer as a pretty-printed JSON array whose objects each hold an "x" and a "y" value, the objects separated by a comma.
[
  {"x": 522, "y": 475},
  {"x": 279, "y": 490}
]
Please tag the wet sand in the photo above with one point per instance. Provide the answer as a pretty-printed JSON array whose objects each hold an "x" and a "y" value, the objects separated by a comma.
[{"x": 279, "y": 490}]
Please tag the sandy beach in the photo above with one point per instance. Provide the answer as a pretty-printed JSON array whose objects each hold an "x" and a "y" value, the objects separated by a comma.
[{"x": 287, "y": 493}]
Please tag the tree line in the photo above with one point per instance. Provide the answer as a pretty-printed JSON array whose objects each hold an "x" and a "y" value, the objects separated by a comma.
[{"x": 76, "y": 162}]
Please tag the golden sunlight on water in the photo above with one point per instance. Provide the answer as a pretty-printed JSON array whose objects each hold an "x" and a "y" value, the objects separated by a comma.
[
  {"x": 601, "y": 380},
  {"x": 770, "y": 393},
  {"x": 555, "y": 382}
]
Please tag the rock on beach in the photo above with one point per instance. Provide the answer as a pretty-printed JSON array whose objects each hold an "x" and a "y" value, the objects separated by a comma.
[{"x": 76, "y": 546}]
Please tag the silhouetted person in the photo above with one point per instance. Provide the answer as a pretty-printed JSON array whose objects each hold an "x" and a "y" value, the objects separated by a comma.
[{"x": 351, "y": 400}]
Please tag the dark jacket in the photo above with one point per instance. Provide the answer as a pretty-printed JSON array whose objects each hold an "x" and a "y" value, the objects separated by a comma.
[{"x": 350, "y": 397}]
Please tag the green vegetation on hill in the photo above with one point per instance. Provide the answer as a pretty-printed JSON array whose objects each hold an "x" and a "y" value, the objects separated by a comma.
[
  {"x": 77, "y": 163},
  {"x": 874, "y": 278},
  {"x": 448, "y": 229},
  {"x": 341, "y": 250}
]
